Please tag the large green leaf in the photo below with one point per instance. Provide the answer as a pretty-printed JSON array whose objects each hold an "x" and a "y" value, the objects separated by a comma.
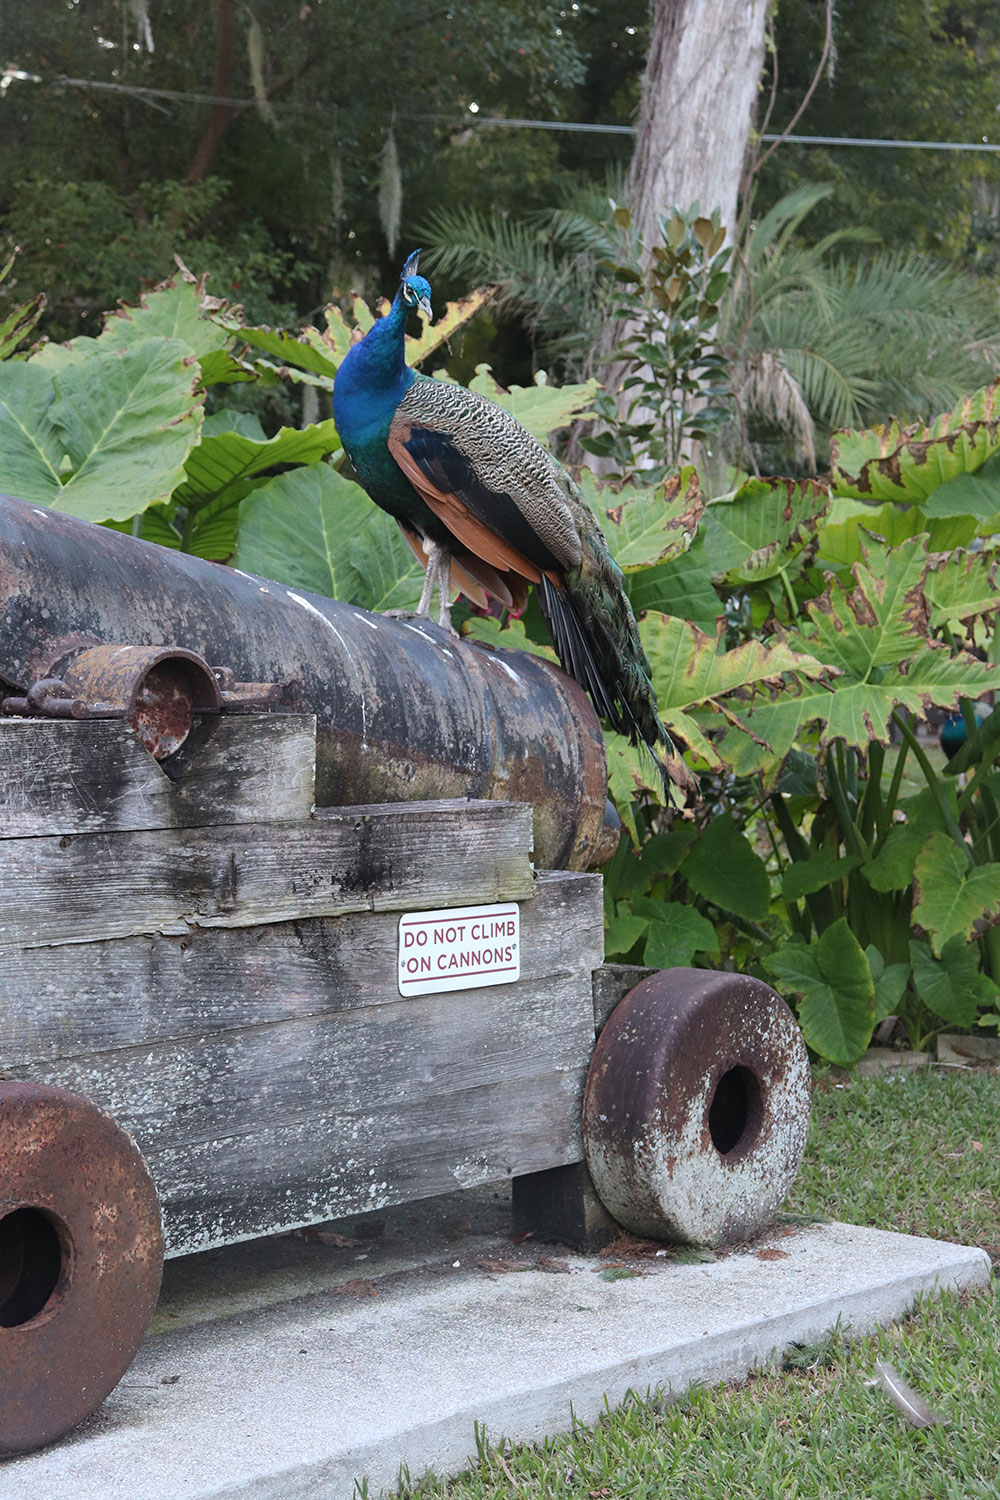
[
  {"x": 890, "y": 983},
  {"x": 892, "y": 868},
  {"x": 297, "y": 528},
  {"x": 909, "y": 463},
  {"x": 804, "y": 877},
  {"x": 104, "y": 436},
  {"x": 22, "y": 317},
  {"x": 623, "y": 931},
  {"x": 221, "y": 458},
  {"x": 724, "y": 868},
  {"x": 303, "y": 352},
  {"x": 632, "y": 775},
  {"x": 763, "y": 528},
  {"x": 173, "y": 310},
  {"x": 316, "y": 530},
  {"x": 390, "y": 576},
  {"x": 31, "y": 448},
  {"x": 874, "y": 638},
  {"x": 179, "y": 309},
  {"x": 509, "y": 635},
  {"x": 689, "y": 670},
  {"x": 850, "y": 528},
  {"x": 961, "y": 585},
  {"x": 976, "y": 494},
  {"x": 681, "y": 587},
  {"x": 832, "y": 977},
  {"x": 950, "y": 898},
  {"x": 951, "y": 985},
  {"x": 675, "y": 933},
  {"x": 541, "y": 407},
  {"x": 649, "y": 525}
]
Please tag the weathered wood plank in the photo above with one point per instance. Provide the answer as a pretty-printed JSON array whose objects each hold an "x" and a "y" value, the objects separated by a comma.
[
  {"x": 183, "y": 1093},
  {"x": 81, "y": 998},
  {"x": 335, "y": 1094},
  {"x": 388, "y": 858},
  {"x": 221, "y": 1191},
  {"x": 59, "y": 776}
]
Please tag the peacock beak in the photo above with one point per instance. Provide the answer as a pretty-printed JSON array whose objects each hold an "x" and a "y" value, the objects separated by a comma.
[{"x": 425, "y": 307}]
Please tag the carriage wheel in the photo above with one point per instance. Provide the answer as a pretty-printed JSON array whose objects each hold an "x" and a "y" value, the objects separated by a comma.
[
  {"x": 697, "y": 1107},
  {"x": 81, "y": 1252}
]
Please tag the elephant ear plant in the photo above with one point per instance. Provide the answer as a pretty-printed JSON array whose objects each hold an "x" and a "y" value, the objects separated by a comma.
[{"x": 833, "y": 851}]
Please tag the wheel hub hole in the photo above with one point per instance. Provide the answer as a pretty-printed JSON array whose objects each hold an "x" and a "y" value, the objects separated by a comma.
[
  {"x": 735, "y": 1113},
  {"x": 31, "y": 1263}
]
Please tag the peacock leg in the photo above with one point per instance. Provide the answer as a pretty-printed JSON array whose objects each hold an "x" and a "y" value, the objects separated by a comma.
[
  {"x": 433, "y": 551},
  {"x": 444, "y": 592}
]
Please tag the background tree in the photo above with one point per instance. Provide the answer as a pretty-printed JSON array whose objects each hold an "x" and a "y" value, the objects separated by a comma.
[{"x": 698, "y": 91}]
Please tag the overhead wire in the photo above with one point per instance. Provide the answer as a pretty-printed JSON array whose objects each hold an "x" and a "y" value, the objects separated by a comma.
[{"x": 183, "y": 96}]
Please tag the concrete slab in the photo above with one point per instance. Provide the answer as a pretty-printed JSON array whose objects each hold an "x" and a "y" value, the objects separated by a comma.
[{"x": 292, "y": 1367}]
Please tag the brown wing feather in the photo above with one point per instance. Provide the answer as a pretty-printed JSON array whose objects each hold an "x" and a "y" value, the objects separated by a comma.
[{"x": 464, "y": 526}]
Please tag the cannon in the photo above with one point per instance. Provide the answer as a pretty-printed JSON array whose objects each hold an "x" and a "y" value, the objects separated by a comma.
[{"x": 299, "y": 918}]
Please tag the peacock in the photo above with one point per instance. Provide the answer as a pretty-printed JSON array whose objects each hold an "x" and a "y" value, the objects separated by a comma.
[{"x": 490, "y": 512}]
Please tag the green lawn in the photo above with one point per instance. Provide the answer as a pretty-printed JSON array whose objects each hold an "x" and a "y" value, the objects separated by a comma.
[{"x": 915, "y": 1152}]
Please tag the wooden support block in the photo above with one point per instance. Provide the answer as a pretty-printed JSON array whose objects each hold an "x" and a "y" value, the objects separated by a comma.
[
  {"x": 612, "y": 983},
  {"x": 391, "y": 857},
  {"x": 561, "y": 1205},
  {"x": 273, "y": 1076},
  {"x": 80, "y": 999},
  {"x": 63, "y": 776}
]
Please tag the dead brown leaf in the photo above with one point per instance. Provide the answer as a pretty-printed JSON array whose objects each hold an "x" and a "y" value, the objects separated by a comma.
[
  {"x": 521, "y": 1236},
  {"x": 359, "y": 1287},
  {"x": 499, "y": 1266},
  {"x": 772, "y": 1253},
  {"x": 629, "y": 1244},
  {"x": 549, "y": 1263}
]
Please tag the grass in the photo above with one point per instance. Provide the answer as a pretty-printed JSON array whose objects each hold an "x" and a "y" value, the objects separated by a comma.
[{"x": 918, "y": 1153}]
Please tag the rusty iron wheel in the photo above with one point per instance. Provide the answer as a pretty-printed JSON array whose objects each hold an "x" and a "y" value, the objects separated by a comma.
[
  {"x": 697, "y": 1107},
  {"x": 81, "y": 1253}
]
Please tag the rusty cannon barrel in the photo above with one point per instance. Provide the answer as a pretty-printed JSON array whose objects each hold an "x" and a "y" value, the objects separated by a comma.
[{"x": 95, "y": 623}]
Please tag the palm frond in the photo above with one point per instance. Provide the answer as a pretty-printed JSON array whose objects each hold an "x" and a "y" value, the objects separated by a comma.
[{"x": 769, "y": 390}]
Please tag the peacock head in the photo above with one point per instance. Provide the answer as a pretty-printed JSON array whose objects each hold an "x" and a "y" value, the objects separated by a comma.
[{"x": 415, "y": 290}]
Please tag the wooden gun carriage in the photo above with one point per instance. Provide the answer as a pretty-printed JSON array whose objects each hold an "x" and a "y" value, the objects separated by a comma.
[{"x": 218, "y": 1017}]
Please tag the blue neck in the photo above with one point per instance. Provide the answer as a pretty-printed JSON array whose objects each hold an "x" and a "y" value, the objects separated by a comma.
[{"x": 374, "y": 377}]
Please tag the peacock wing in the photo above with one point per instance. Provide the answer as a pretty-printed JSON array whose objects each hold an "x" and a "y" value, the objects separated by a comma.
[{"x": 492, "y": 484}]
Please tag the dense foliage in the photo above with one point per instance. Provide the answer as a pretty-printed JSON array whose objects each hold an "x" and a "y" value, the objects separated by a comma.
[
  {"x": 921, "y": 70},
  {"x": 801, "y": 634},
  {"x": 344, "y": 121}
]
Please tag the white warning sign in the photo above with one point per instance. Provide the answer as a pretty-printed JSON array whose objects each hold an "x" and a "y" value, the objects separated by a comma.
[{"x": 460, "y": 948}]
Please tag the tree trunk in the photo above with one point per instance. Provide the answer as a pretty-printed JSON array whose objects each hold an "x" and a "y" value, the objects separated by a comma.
[
  {"x": 225, "y": 27},
  {"x": 698, "y": 92}
]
